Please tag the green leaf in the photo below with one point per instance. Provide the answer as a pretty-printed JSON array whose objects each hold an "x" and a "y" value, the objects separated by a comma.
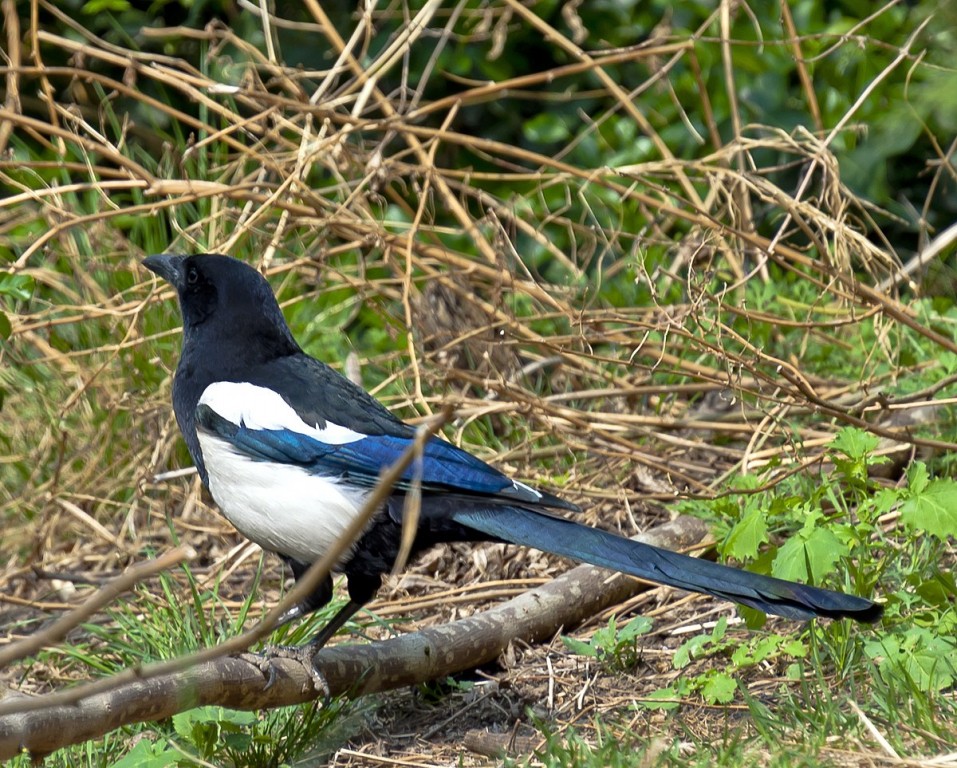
[
  {"x": 204, "y": 728},
  {"x": 639, "y": 625},
  {"x": 146, "y": 754},
  {"x": 690, "y": 649},
  {"x": 765, "y": 647},
  {"x": 919, "y": 657},
  {"x": 796, "y": 648},
  {"x": 884, "y": 501},
  {"x": 937, "y": 589},
  {"x": 580, "y": 647},
  {"x": 931, "y": 506},
  {"x": 753, "y": 618},
  {"x": 17, "y": 286},
  {"x": 219, "y": 715},
  {"x": 719, "y": 630},
  {"x": 719, "y": 688},
  {"x": 5, "y": 328},
  {"x": 94, "y": 7},
  {"x": 818, "y": 551},
  {"x": 917, "y": 477},
  {"x": 854, "y": 443},
  {"x": 747, "y": 535},
  {"x": 948, "y": 362}
]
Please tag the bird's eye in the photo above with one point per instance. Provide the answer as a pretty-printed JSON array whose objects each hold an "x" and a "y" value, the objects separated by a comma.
[{"x": 192, "y": 276}]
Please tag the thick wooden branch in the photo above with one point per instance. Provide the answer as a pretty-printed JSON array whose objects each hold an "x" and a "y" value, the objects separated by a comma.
[{"x": 353, "y": 670}]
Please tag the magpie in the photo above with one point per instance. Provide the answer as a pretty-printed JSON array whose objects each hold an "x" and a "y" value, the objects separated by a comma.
[{"x": 290, "y": 449}]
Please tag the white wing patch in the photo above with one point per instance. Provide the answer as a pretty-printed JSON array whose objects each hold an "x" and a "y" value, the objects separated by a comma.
[
  {"x": 261, "y": 408},
  {"x": 283, "y": 508}
]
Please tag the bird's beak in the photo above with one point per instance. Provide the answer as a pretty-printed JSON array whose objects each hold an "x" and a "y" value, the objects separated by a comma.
[{"x": 167, "y": 266}]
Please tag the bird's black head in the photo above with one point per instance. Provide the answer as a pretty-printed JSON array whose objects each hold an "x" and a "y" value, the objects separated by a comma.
[{"x": 224, "y": 300}]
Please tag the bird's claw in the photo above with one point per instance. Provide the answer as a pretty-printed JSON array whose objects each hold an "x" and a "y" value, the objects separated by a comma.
[{"x": 304, "y": 654}]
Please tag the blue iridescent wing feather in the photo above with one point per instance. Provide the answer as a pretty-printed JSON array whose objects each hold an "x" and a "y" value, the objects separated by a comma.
[{"x": 442, "y": 466}]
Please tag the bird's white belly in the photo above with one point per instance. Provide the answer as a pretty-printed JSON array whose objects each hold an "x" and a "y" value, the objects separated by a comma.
[{"x": 282, "y": 508}]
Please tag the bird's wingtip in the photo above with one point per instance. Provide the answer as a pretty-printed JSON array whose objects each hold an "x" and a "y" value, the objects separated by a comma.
[{"x": 870, "y": 614}]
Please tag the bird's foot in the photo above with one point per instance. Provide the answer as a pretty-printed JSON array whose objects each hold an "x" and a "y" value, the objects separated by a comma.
[{"x": 303, "y": 654}]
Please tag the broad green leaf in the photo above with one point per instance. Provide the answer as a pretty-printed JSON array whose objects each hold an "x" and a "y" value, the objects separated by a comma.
[
  {"x": 690, "y": 649},
  {"x": 918, "y": 657},
  {"x": 753, "y": 618},
  {"x": 765, "y": 647},
  {"x": 933, "y": 509},
  {"x": 818, "y": 550},
  {"x": 749, "y": 533},
  {"x": 639, "y": 625},
  {"x": 796, "y": 648},
  {"x": 94, "y": 7},
  {"x": 720, "y": 630},
  {"x": 719, "y": 689},
  {"x": 884, "y": 501},
  {"x": 545, "y": 128},
  {"x": 17, "y": 286},
  {"x": 854, "y": 443},
  {"x": 917, "y": 477},
  {"x": 145, "y": 754},
  {"x": 937, "y": 589},
  {"x": 184, "y": 723}
]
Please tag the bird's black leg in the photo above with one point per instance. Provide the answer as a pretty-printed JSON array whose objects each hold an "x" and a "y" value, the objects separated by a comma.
[
  {"x": 305, "y": 654},
  {"x": 317, "y": 599},
  {"x": 361, "y": 590},
  {"x": 336, "y": 623}
]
